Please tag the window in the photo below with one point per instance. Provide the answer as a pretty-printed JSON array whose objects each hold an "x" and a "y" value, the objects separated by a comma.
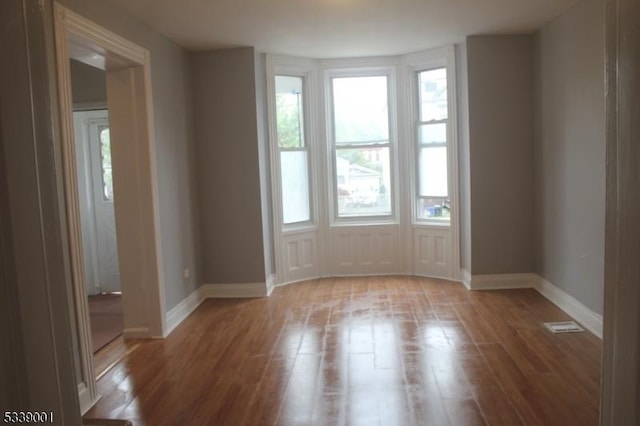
[
  {"x": 433, "y": 201},
  {"x": 105, "y": 163},
  {"x": 361, "y": 146},
  {"x": 293, "y": 149}
]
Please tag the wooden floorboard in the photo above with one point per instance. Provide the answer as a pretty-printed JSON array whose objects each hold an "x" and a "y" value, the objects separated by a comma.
[{"x": 362, "y": 351}]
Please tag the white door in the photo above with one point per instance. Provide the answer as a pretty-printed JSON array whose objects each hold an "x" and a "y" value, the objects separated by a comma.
[{"x": 98, "y": 224}]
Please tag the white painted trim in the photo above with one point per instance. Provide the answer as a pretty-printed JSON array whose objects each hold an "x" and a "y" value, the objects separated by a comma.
[
  {"x": 502, "y": 281},
  {"x": 271, "y": 283},
  {"x": 84, "y": 398},
  {"x": 570, "y": 305},
  {"x": 238, "y": 290},
  {"x": 77, "y": 37},
  {"x": 182, "y": 310},
  {"x": 72, "y": 207},
  {"x": 585, "y": 316},
  {"x": 465, "y": 276}
]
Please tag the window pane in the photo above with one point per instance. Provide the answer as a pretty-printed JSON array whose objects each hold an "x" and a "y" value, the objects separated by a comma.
[
  {"x": 360, "y": 109},
  {"x": 433, "y": 94},
  {"x": 433, "y": 172},
  {"x": 434, "y": 208},
  {"x": 363, "y": 179},
  {"x": 105, "y": 163},
  {"x": 295, "y": 186},
  {"x": 289, "y": 114},
  {"x": 433, "y": 133}
]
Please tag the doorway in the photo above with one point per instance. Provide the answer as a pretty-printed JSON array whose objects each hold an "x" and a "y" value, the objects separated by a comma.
[
  {"x": 99, "y": 235},
  {"x": 135, "y": 240}
]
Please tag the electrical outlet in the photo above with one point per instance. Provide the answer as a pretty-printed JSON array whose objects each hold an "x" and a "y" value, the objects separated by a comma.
[{"x": 186, "y": 273}]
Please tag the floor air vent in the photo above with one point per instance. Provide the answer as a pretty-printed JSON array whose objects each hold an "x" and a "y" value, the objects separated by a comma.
[{"x": 563, "y": 327}]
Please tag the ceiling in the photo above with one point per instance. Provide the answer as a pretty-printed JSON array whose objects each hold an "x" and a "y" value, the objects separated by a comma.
[{"x": 338, "y": 28}]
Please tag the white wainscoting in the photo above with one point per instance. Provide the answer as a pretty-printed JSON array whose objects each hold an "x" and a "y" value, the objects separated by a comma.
[
  {"x": 432, "y": 252},
  {"x": 364, "y": 250},
  {"x": 300, "y": 256}
]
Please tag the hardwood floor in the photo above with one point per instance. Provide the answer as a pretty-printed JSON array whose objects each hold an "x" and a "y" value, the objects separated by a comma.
[
  {"x": 362, "y": 351},
  {"x": 107, "y": 357}
]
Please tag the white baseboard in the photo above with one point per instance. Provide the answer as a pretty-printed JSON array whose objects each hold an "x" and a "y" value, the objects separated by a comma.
[
  {"x": 585, "y": 316},
  {"x": 182, "y": 310},
  {"x": 502, "y": 281},
  {"x": 137, "y": 333},
  {"x": 466, "y": 278},
  {"x": 578, "y": 311},
  {"x": 271, "y": 283},
  {"x": 84, "y": 398},
  {"x": 240, "y": 290}
]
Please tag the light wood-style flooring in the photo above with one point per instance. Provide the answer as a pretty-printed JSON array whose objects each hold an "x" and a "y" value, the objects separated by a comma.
[{"x": 362, "y": 351}]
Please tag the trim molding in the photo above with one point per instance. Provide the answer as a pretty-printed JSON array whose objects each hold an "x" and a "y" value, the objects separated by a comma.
[
  {"x": 569, "y": 304},
  {"x": 182, "y": 310},
  {"x": 238, "y": 290},
  {"x": 271, "y": 283},
  {"x": 84, "y": 398},
  {"x": 465, "y": 276},
  {"x": 502, "y": 281},
  {"x": 585, "y": 316}
]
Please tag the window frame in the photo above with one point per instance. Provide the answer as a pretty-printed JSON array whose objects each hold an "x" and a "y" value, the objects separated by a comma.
[
  {"x": 415, "y": 64},
  {"x": 418, "y": 123},
  {"x": 292, "y": 67},
  {"x": 337, "y": 69}
]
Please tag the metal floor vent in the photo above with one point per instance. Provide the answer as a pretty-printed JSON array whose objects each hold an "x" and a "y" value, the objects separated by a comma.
[{"x": 563, "y": 327}]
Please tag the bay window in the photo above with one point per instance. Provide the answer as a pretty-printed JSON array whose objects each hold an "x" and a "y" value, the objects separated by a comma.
[
  {"x": 433, "y": 203},
  {"x": 293, "y": 149},
  {"x": 361, "y": 145}
]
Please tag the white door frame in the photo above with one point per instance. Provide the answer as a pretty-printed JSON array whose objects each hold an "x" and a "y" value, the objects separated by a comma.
[{"x": 136, "y": 209}]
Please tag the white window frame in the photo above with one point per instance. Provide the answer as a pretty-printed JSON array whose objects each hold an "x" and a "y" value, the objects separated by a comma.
[
  {"x": 369, "y": 67},
  {"x": 425, "y": 61},
  {"x": 294, "y": 67}
]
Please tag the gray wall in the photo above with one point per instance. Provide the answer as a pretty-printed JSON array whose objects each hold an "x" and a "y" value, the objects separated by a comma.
[
  {"x": 227, "y": 147},
  {"x": 89, "y": 85},
  {"x": 570, "y": 153},
  {"x": 174, "y": 140},
  {"x": 500, "y": 86}
]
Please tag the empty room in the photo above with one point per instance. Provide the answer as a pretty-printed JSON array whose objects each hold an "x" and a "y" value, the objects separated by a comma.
[{"x": 336, "y": 212}]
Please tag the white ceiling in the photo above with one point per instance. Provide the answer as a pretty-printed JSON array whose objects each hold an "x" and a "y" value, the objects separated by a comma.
[{"x": 339, "y": 28}]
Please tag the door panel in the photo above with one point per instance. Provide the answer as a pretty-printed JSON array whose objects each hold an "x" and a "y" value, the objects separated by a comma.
[
  {"x": 102, "y": 183},
  {"x": 96, "y": 201}
]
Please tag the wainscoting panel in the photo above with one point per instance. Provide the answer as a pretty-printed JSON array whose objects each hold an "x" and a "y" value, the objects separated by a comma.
[
  {"x": 364, "y": 250},
  {"x": 431, "y": 251},
  {"x": 300, "y": 255}
]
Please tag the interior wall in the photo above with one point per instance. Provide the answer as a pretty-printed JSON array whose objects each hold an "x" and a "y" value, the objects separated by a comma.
[
  {"x": 228, "y": 152},
  {"x": 570, "y": 152},
  {"x": 89, "y": 85},
  {"x": 174, "y": 143},
  {"x": 501, "y": 137}
]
